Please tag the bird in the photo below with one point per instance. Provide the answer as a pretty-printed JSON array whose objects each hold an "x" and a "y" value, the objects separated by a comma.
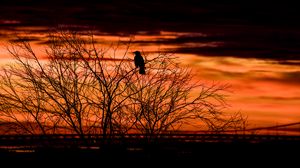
[{"x": 139, "y": 62}]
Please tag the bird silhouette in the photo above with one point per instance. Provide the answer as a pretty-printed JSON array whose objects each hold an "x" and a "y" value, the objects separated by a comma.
[{"x": 139, "y": 62}]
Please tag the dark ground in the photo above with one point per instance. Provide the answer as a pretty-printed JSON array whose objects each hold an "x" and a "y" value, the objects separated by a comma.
[{"x": 188, "y": 154}]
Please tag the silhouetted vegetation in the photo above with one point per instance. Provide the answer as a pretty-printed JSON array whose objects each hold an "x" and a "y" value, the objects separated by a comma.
[
  {"x": 81, "y": 88},
  {"x": 81, "y": 103}
]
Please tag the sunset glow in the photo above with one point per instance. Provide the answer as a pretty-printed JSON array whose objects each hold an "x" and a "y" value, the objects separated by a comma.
[
  {"x": 266, "y": 91},
  {"x": 149, "y": 83},
  {"x": 253, "y": 47}
]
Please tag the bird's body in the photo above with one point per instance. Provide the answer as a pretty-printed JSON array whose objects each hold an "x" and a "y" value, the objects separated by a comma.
[{"x": 139, "y": 62}]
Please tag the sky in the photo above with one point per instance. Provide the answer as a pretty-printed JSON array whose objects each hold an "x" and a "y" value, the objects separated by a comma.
[{"x": 252, "y": 45}]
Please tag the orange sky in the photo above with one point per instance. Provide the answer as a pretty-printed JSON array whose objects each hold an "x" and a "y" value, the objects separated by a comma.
[{"x": 264, "y": 90}]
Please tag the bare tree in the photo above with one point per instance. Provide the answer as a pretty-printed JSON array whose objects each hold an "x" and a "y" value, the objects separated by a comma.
[
  {"x": 106, "y": 85},
  {"x": 169, "y": 97},
  {"x": 47, "y": 94},
  {"x": 81, "y": 88},
  {"x": 78, "y": 89}
]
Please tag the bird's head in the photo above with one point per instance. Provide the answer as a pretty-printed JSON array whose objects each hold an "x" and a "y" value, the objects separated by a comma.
[{"x": 137, "y": 52}]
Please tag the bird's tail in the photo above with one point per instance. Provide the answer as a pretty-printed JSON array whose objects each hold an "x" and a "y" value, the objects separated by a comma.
[{"x": 142, "y": 70}]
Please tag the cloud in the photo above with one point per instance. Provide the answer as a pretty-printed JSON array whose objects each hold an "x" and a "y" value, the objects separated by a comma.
[
  {"x": 289, "y": 62},
  {"x": 250, "y": 30},
  {"x": 25, "y": 39},
  {"x": 277, "y": 98},
  {"x": 292, "y": 77},
  {"x": 285, "y": 78},
  {"x": 278, "y": 45},
  {"x": 259, "y": 43}
]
